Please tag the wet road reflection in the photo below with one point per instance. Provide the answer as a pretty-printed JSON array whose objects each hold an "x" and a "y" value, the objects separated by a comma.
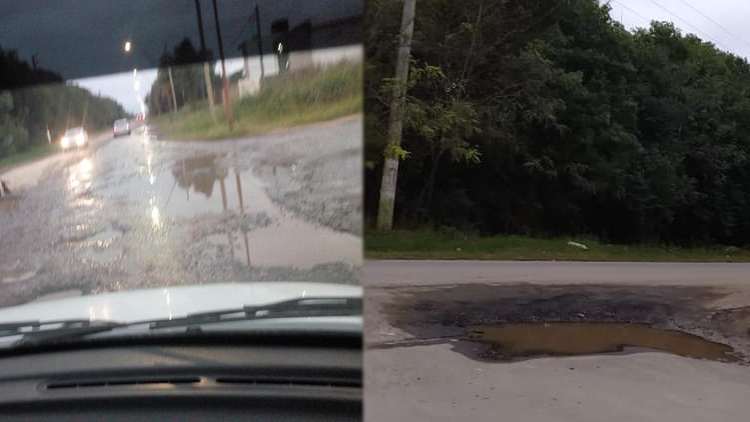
[
  {"x": 208, "y": 183},
  {"x": 198, "y": 173},
  {"x": 137, "y": 212},
  {"x": 217, "y": 197},
  {"x": 79, "y": 176}
]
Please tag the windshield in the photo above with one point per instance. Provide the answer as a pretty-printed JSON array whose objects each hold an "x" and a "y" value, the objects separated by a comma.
[{"x": 243, "y": 164}]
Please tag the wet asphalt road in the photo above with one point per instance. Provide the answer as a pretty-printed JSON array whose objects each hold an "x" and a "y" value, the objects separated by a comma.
[
  {"x": 139, "y": 212},
  {"x": 416, "y": 346}
]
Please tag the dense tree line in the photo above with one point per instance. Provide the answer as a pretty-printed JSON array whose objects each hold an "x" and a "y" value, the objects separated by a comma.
[
  {"x": 33, "y": 100},
  {"x": 549, "y": 118},
  {"x": 185, "y": 62}
]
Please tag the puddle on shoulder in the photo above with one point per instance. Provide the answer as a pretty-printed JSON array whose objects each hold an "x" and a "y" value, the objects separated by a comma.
[{"x": 529, "y": 340}]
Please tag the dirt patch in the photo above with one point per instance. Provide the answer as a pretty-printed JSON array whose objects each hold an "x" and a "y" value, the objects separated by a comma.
[
  {"x": 318, "y": 174},
  {"x": 450, "y": 314}
]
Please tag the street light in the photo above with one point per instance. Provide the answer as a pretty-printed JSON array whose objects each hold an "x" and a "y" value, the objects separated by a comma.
[{"x": 137, "y": 85}]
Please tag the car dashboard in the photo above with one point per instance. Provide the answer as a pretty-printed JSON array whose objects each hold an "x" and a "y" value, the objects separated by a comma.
[{"x": 283, "y": 378}]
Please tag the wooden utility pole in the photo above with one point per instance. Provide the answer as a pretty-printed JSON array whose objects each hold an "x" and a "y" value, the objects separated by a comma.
[
  {"x": 260, "y": 42},
  {"x": 204, "y": 54},
  {"x": 227, "y": 99},
  {"x": 396, "y": 120},
  {"x": 171, "y": 85}
]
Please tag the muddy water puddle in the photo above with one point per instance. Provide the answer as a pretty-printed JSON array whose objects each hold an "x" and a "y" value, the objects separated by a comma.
[
  {"x": 282, "y": 239},
  {"x": 525, "y": 340},
  {"x": 191, "y": 190}
]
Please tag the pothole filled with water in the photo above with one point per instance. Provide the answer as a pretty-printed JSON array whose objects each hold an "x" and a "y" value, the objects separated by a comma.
[{"x": 527, "y": 340}]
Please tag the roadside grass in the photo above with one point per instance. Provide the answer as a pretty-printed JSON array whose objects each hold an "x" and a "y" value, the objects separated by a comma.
[
  {"x": 34, "y": 153},
  {"x": 293, "y": 99},
  {"x": 427, "y": 244}
]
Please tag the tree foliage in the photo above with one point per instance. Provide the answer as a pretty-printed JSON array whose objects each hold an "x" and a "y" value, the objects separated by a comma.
[
  {"x": 187, "y": 76},
  {"x": 578, "y": 125},
  {"x": 33, "y": 100}
]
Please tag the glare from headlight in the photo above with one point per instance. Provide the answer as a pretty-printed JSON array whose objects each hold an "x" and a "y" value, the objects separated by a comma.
[
  {"x": 65, "y": 142},
  {"x": 80, "y": 140}
]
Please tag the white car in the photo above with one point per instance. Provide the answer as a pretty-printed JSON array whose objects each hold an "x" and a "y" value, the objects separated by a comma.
[
  {"x": 74, "y": 138},
  {"x": 176, "y": 303},
  {"x": 121, "y": 127}
]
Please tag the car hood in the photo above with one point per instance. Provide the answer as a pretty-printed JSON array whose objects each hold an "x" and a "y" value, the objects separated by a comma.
[{"x": 171, "y": 302}]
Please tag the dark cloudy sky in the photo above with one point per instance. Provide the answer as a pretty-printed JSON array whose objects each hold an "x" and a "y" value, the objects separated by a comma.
[{"x": 83, "y": 38}]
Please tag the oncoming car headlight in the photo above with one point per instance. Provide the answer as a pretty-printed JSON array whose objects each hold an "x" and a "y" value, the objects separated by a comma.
[{"x": 65, "y": 142}]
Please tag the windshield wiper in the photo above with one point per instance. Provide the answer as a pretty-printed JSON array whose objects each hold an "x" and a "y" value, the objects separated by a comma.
[
  {"x": 306, "y": 307},
  {"x": 33, "y": 333}
]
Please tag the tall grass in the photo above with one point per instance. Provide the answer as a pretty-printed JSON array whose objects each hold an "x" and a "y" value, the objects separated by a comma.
[
  {"x": 291, "y": 99},
  {"x": 32, "y": 153},
  {"x": 429, "y": 244}
]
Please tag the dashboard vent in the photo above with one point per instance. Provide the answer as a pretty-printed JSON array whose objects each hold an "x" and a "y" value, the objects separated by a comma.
[
  {"x": 122, "y": 382},
  {"x": 288, "y": 382}
]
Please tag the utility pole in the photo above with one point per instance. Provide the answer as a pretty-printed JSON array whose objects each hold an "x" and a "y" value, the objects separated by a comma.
[
  {"x": 260, "y": 42},
  {"x": 204, "y": 54},
  {"x": 245, "y": 59},
  {"x": 396, "y": 120},
  {"x": 227, "y": 100},
  {"x": 171, "y": 85}
]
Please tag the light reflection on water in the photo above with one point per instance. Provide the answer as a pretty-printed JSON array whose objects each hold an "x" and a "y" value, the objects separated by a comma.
[
  {"x": 207, "y": 182},
  {"x": 79, "y": 177},
  {"x": 208, "y": 194},
  {"x": 155, "y": 217}
]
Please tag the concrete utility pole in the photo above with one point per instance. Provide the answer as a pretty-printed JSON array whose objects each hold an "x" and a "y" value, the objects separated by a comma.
[
  {"x": 396, "y": 120},
  {"x": 227, "y": 99},
  {"x": 204, "y": 54}
]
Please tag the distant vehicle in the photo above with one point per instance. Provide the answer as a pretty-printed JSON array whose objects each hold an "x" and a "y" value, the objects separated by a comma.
[
  {"x": 121, "y": 127},
  {"x": 74, "y": 138}
]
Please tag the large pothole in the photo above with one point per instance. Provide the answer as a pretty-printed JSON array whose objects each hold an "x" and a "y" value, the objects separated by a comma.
[
  {"x": 527, "y": 340},
  {"x": 512, "y": 322}
]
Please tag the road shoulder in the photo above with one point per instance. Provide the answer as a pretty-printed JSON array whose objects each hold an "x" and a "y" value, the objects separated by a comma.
[{"x": 28, "y": 174}]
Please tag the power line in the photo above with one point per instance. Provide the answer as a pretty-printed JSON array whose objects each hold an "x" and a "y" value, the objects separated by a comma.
[
  {"x": 715, "y": 23},
  {"x": 645, "y": 19},
  {"x": 688, "y": 24}
]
